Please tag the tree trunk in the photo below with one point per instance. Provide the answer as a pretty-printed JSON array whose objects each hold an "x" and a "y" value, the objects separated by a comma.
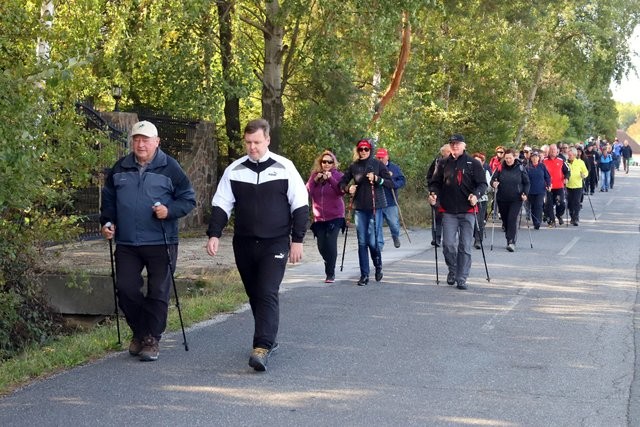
[
  {"x": 231, "y": 102},
  {"x": 529, "y": 106},
  {"x": 272, "y": 107}
]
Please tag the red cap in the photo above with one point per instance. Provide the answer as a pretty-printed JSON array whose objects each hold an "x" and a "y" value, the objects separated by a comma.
[
  {"x": 363, "y": 143},
  {"x": 382, "y": 152}
]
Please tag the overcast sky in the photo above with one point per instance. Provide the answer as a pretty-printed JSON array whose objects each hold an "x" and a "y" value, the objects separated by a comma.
[{"x": 629, "y": 90}]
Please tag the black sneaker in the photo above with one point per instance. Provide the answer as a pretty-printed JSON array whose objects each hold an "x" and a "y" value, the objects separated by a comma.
[
  {"x": 378, "y": 274},
  {"x": 364, "y": 281},
  {"x": 462, "y": 285},
  {"x": 330, "y": 278},
  {"x": 434, "y": 243},
  {"x": 396, "y": 241},
  {"x": 260, "y": 356},
  {"x": 451, "y": 278},
  {"x": 476, "y": 244},
  {"x": 560, "y": 220},
  {"x": 150, "y": 349}
]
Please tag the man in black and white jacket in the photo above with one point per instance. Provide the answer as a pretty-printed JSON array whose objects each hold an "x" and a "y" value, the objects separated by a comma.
[{"x": 271, "y": 213}]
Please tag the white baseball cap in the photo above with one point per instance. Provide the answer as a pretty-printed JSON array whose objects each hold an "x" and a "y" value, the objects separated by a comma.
[{"x": 144, "y": 128}]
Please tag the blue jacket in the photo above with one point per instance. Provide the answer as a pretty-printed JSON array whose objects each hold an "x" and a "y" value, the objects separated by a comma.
[
  {"x": 128, "y": 198},
  {"x": 539, "y": 178},
  {"x": 399, "y": 181}
]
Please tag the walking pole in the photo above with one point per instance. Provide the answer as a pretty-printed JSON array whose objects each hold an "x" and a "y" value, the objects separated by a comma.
[
  {"x": 477, "y": 226},
  {"x": 173, "y": 281},
  {"x": 493, "y": 223},
  {"x": 566, "y": 204},
  {"x": 395, "y": 199},
  {"x": 433, "y": 233},
  {"x": 115, "y": 290},
  {"x": 529, "y": 229},
  {"x": 346, "y": 231}
]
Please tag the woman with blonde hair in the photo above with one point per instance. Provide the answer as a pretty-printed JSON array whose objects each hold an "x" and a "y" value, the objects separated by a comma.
[{"x": 328, "y": 209}]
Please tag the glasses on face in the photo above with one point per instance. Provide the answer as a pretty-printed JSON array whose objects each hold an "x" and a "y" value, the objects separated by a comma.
[
  {"x": 365, "y": 149},
  {"x": 499, "y": 152},
  {"x": 327, "y": 162},
  {"x": 565, "y": 148}
]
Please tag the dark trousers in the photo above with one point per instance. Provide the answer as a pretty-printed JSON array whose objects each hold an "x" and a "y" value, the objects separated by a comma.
[
  {"x": 536, "y": 201},
  {"x": 326, "y": 233},
  {"x": 509, "y": 211},
  {"x": 478, "y": 232},
  {"x": 146, "y": 314},
  {"x": 592, "y": 181},
  {"x": 261, "y": 264},
  {"x": 573, "y": 203},
  {"x": 555, "y": 201}
]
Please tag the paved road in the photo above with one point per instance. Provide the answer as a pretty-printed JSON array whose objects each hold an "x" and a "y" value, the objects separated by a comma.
[{"x": 551, "y": 340}]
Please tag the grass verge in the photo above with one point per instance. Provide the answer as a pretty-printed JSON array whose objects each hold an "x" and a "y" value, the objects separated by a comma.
[{"x": 207, "y": 298}]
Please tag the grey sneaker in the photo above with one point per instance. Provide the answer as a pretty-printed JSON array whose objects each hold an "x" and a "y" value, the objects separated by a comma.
[
  {"x": 462, "y": 285},
  {"x": 150, "y": 349},
  {"x": 260, "y": 356},
  {"x": 135, "y": 346},
  {"x": 396, "y": 241}
]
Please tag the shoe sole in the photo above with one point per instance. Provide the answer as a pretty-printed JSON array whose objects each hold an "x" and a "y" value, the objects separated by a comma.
[{"x": 147, "y": 358}]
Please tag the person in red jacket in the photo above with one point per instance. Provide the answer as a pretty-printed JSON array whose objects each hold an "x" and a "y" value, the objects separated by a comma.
[
  {"x": 496, "y": 161},
  {"x": 555, "y": 194}
]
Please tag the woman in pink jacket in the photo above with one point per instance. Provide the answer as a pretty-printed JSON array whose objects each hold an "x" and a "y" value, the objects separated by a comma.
[{"x": 328, "y": 209}]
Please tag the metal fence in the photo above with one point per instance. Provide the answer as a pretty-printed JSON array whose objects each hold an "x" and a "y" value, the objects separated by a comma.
[{"x": 176, "y": 135}]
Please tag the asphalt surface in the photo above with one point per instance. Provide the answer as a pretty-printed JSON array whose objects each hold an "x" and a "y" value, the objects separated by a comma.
[{"x": 550, "y": 340}]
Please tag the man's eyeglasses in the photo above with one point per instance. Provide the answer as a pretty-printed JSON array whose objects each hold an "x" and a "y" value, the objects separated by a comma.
[
  {"x": 327, "y": 162},
  {"x": 365, "y": 149}
]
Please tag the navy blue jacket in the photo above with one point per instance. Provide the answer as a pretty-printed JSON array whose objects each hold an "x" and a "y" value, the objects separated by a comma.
[
  {"x": 399, "y": 181},
  {"x": 128, "y": 198},
  {"x": 539, "y": 178}
]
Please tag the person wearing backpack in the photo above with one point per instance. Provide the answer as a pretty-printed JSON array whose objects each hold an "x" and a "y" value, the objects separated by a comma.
[{"x": 512, "y": 186}]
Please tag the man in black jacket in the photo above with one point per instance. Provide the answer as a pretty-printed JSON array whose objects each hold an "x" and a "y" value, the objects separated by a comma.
[
  {"x": 271, "y": 213},
  {"x": 457, "y": 183}
]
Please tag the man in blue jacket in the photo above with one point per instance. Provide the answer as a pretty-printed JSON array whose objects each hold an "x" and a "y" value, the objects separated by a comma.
[
  {"x": 392, "y": 212},
  {"x": 144, "y": 195}
]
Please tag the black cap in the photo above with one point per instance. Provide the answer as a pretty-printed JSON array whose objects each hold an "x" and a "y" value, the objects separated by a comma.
[{"x": 456, "y": 137}]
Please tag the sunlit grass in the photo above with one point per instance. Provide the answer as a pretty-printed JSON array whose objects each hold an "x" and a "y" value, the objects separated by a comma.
[{"x": 215, "y": 295}]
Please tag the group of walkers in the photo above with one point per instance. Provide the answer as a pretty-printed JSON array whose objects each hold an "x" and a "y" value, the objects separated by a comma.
[{"x": 146, "y": 192}]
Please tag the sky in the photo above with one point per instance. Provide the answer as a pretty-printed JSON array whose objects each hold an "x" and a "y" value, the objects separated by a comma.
[{"x": 629, "y": 89}]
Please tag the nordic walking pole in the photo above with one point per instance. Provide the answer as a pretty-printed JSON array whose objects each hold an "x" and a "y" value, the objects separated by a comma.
[
  {"x": 395, "y": 199},
  {"x": 477, "y": 226},
  {"x": 173, "y": 281},
  {"x": 344, "y": 246},
  {"x": 113, "y": 279},
  {"x": 433, "y": 233},
  {"x": 495, "y": 208},
  {"x": 529, "y": 229},
  {"x": 346, "y": 231},
  {"x": 375, "y": 223}
]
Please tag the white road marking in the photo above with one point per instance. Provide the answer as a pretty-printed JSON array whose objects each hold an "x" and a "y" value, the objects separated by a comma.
[
  {"x": 490, "y": 324},
  {"x": 568, "y": 247}
]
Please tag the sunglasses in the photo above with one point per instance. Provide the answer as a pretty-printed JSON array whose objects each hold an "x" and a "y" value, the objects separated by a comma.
[
  {"x": 499, "y": 152},
  {"x": 365, "y": 149},
  {"x": 327, "y": 162}
]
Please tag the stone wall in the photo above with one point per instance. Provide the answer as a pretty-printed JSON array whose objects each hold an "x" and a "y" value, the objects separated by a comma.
[{"x": 201, "y": 165}]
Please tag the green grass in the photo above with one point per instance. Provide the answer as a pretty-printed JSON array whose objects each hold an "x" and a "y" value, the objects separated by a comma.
[{"x": 215, "y": 295}]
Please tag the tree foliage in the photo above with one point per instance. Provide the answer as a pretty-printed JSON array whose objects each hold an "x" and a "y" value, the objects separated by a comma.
[{"x": 501, "y": 73}]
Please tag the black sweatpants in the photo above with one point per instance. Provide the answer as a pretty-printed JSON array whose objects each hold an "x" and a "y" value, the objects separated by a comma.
[
  {"x": 509, "y": 211},
  {"x": 146, "y": 314},
  {"x": 261, "y": 264}
]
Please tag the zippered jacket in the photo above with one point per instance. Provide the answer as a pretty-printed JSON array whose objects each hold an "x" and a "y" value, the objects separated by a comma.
[
  {"x": 269, "y": 198},
  {"x": 357, "y": 172},
  {"x": 128, "y": 198},
  {"x": 326, "y": 197},
  {"x": 514, "y": 181},
  {"x": 454, "y": 180}
]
